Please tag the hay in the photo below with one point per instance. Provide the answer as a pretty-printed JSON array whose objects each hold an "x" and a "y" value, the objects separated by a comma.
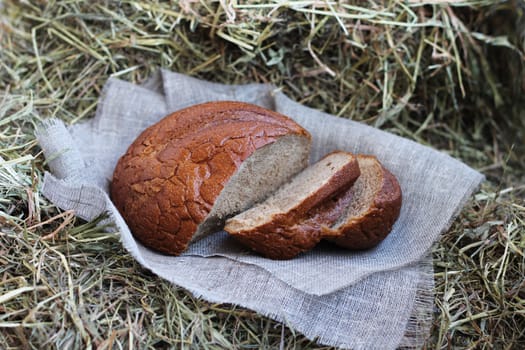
[{"x": 449, "y": 76}]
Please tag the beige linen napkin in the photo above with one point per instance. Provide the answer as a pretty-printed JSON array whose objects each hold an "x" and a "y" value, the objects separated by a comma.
[{"x": 376, "y": 299}]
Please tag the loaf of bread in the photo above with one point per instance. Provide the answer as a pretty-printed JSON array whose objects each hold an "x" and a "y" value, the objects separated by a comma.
[
  {"x": 182, "y": 177},
  {"x": 273, "y": 228}
]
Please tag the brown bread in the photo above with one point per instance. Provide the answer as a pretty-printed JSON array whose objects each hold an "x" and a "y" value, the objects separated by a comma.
[{"x": 183, "y": 176}]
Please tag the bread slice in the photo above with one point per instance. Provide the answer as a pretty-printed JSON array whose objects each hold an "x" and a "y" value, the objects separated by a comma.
[
  {"x": 365, "y": 213},
  {"x": 183, "y": 176},
  {"x": 270, "y": 228}
]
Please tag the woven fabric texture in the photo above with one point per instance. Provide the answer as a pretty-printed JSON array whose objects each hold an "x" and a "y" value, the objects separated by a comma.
[{"x": 341, "y": 298}]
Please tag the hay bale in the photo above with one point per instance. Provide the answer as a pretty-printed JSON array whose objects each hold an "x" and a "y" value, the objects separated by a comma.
[{"x": 447, "y": 75}]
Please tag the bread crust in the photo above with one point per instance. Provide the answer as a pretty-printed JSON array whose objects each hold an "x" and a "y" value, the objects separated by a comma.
[
  {"x": 372, "y": 227},
  {"x": 290, "y": 234},
  {"x": 170, "y": 176}
]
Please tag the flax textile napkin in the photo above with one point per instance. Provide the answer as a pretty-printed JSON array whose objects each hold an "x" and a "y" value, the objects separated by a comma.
[{"x": 376, "y": 299}]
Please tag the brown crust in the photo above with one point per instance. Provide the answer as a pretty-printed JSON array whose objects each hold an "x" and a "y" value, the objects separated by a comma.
[
  {"x": 169, "y": 178},
  {"x": 188, "y": 120},
  {"x": 287, "y": 235},
  {"x": 375, "y": 224},
  {"x": 281, "y": 240}
]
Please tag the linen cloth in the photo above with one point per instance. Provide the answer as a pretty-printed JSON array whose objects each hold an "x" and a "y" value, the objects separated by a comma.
[{"x": 380, "y": 298}]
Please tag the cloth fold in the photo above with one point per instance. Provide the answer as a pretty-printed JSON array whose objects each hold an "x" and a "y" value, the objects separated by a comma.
[{"x": 341, "y": 298}]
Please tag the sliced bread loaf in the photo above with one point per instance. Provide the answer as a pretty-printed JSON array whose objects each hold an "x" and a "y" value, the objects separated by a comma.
[
  {"x": 183, "y": 176},
  {"x": 270, "y": 228}
]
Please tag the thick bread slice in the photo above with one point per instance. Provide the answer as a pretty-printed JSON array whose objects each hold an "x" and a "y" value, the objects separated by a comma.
[
  {"x": 270, "y": 229},
  {"x": 168, "y": 186},
  {"x": 366, "y": 212}
]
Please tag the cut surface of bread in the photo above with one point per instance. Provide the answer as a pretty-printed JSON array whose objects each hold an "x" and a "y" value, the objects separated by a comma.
[
  {"x": 172, "y": 176},
  {"x": 270, "y": 227},
  {"x": 366, "y": 212},
  {"x": 261, "y": 174}
]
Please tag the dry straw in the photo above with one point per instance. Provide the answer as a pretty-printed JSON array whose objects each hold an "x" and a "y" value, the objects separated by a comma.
[{"x": 446, "y": 74}]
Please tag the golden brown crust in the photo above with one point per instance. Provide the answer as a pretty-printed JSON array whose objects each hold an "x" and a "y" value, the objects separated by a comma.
[
  {"x": 369, "y": 229},
  {"x": 280, "y": 240},
  {"x": 290, "y": 234},
  {"x": 169, "y": 178}
]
